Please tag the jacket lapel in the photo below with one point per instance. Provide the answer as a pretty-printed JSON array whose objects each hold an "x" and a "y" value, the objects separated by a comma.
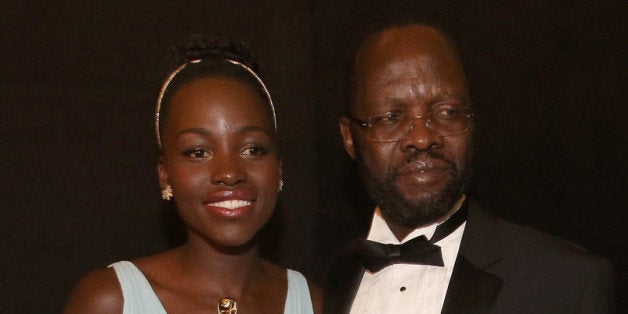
[{"x": 472, "y": 289}]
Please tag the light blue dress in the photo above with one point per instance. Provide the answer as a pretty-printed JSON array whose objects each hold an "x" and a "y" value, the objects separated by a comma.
[{"x": 139, "y": 297}]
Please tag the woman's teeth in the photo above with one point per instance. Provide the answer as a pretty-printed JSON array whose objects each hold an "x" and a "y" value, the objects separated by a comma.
[{"x": 231, "y": 204}]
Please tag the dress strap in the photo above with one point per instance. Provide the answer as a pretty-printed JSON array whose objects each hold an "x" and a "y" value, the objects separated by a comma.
[
  {"x": 298, "y": 299},
  {"x": 139, "y": 296}
]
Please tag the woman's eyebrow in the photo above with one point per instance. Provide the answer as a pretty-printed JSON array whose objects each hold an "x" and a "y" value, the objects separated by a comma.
[{"x": 207, "y": 132}]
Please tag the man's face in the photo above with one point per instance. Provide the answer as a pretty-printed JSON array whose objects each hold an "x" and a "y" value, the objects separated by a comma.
[{"x": 415, "y": 180}]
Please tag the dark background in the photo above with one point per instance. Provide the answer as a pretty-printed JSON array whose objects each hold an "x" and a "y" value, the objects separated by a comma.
[{"x": 79, "y": 81}]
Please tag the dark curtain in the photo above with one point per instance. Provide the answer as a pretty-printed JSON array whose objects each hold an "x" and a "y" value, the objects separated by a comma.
[{"x": 79, "y": 81}]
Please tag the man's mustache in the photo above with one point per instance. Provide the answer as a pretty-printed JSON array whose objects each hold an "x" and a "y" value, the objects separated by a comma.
[{"x": 424, "y": 156}]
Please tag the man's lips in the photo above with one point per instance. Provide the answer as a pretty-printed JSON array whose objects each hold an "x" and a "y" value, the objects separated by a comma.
[{"x": 422, "y": 172}]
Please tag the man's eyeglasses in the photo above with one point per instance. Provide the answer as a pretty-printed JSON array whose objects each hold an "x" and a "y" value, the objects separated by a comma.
[{"x": 394, "y": 126}]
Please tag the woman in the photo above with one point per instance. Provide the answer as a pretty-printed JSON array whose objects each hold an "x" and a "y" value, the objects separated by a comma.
[{"x": 216, "y": 130}]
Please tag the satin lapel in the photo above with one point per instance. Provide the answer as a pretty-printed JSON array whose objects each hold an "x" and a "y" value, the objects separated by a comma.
[
  {"x": 342, "y": 284},
  {"x": 472, "y": 288}
]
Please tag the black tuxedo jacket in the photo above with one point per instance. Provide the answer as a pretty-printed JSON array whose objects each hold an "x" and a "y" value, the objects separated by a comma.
[{"x": 501, "y": 268}]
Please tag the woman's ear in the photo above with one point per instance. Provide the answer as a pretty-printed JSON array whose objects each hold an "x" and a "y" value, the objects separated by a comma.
[{"x": 163, "y": 172}]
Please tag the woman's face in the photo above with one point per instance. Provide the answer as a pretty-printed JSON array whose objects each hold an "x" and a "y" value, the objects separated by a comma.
[{"x": 220, "y": 158}]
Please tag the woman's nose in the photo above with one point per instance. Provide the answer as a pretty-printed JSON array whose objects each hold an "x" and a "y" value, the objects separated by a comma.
[{"x": 227, "y": 169}]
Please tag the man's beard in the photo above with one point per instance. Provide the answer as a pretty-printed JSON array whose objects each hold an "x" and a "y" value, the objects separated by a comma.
[{"x": 413, "y": 213}]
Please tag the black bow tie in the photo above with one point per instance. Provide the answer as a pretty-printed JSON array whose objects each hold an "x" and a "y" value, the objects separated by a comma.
[{"x": 375, "y": 256}]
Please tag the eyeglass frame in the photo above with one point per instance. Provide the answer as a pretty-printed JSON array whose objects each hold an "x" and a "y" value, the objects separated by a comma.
[{"x": 367, "y": 124}]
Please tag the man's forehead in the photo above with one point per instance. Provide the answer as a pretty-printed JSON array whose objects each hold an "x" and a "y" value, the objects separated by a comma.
[{"x": 413, "y": 67}]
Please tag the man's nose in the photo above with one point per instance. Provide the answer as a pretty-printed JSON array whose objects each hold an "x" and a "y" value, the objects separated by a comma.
[{"x": 420, "y": 136}]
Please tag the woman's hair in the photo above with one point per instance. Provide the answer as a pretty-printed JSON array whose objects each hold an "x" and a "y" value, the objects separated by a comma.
[{"x": 203, "y": 56}]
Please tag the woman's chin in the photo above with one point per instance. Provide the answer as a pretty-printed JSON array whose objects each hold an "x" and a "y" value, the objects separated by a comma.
[{"x": 235, "y": 243}]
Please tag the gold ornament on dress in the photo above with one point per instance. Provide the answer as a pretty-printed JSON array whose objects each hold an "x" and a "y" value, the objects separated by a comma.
[{"x": 227, "y": 306}]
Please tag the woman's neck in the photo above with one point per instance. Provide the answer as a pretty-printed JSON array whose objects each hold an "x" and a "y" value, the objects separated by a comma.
[{"x": 228, "y": 270}]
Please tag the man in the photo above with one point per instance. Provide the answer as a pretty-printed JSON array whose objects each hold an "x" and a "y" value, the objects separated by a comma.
[{"x": 410, "y": 129}]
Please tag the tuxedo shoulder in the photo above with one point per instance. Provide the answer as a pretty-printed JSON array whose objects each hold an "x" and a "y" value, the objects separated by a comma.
[
  {"x": 542, "y": 273},
  {"x": 524, "y": 243},
  {"x": 339, "y": 257}
]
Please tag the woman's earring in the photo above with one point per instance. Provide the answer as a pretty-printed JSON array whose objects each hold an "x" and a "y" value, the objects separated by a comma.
[
  {"x": 166, "y": 193},
  {"x": 280, "y": 185}
]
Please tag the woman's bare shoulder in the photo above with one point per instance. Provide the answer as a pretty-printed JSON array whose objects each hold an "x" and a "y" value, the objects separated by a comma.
[{"x": 97, "y": 292}]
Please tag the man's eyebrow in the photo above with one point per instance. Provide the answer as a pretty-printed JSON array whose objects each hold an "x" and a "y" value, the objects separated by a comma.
[{"x": 389, "y": 101}]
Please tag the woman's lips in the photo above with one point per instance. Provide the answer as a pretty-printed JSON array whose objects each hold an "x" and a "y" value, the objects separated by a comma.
[{"x": 230, "y": 203}]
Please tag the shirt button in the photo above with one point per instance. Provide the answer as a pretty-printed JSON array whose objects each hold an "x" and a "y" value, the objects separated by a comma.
[{"x": 402, "y": 289}]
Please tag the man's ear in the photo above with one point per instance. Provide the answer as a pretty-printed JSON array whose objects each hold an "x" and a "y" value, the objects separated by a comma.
[
  {"x": 163, "y": 173},
  {"x": 347, "y": 137}
]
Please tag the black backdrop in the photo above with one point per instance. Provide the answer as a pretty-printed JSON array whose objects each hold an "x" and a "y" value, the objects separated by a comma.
[{"x": 79, "y": 79}]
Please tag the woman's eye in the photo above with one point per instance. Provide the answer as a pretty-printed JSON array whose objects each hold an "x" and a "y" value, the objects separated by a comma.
[
  {"x": 254, "y": 151},
  {"x": 197, "y": 153}
]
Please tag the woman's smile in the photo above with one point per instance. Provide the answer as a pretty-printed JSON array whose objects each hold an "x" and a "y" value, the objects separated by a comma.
[{"x": 231, "y": 203}]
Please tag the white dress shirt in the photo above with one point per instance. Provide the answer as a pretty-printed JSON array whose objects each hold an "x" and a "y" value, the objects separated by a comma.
[{"x": 406, "y": 288}]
